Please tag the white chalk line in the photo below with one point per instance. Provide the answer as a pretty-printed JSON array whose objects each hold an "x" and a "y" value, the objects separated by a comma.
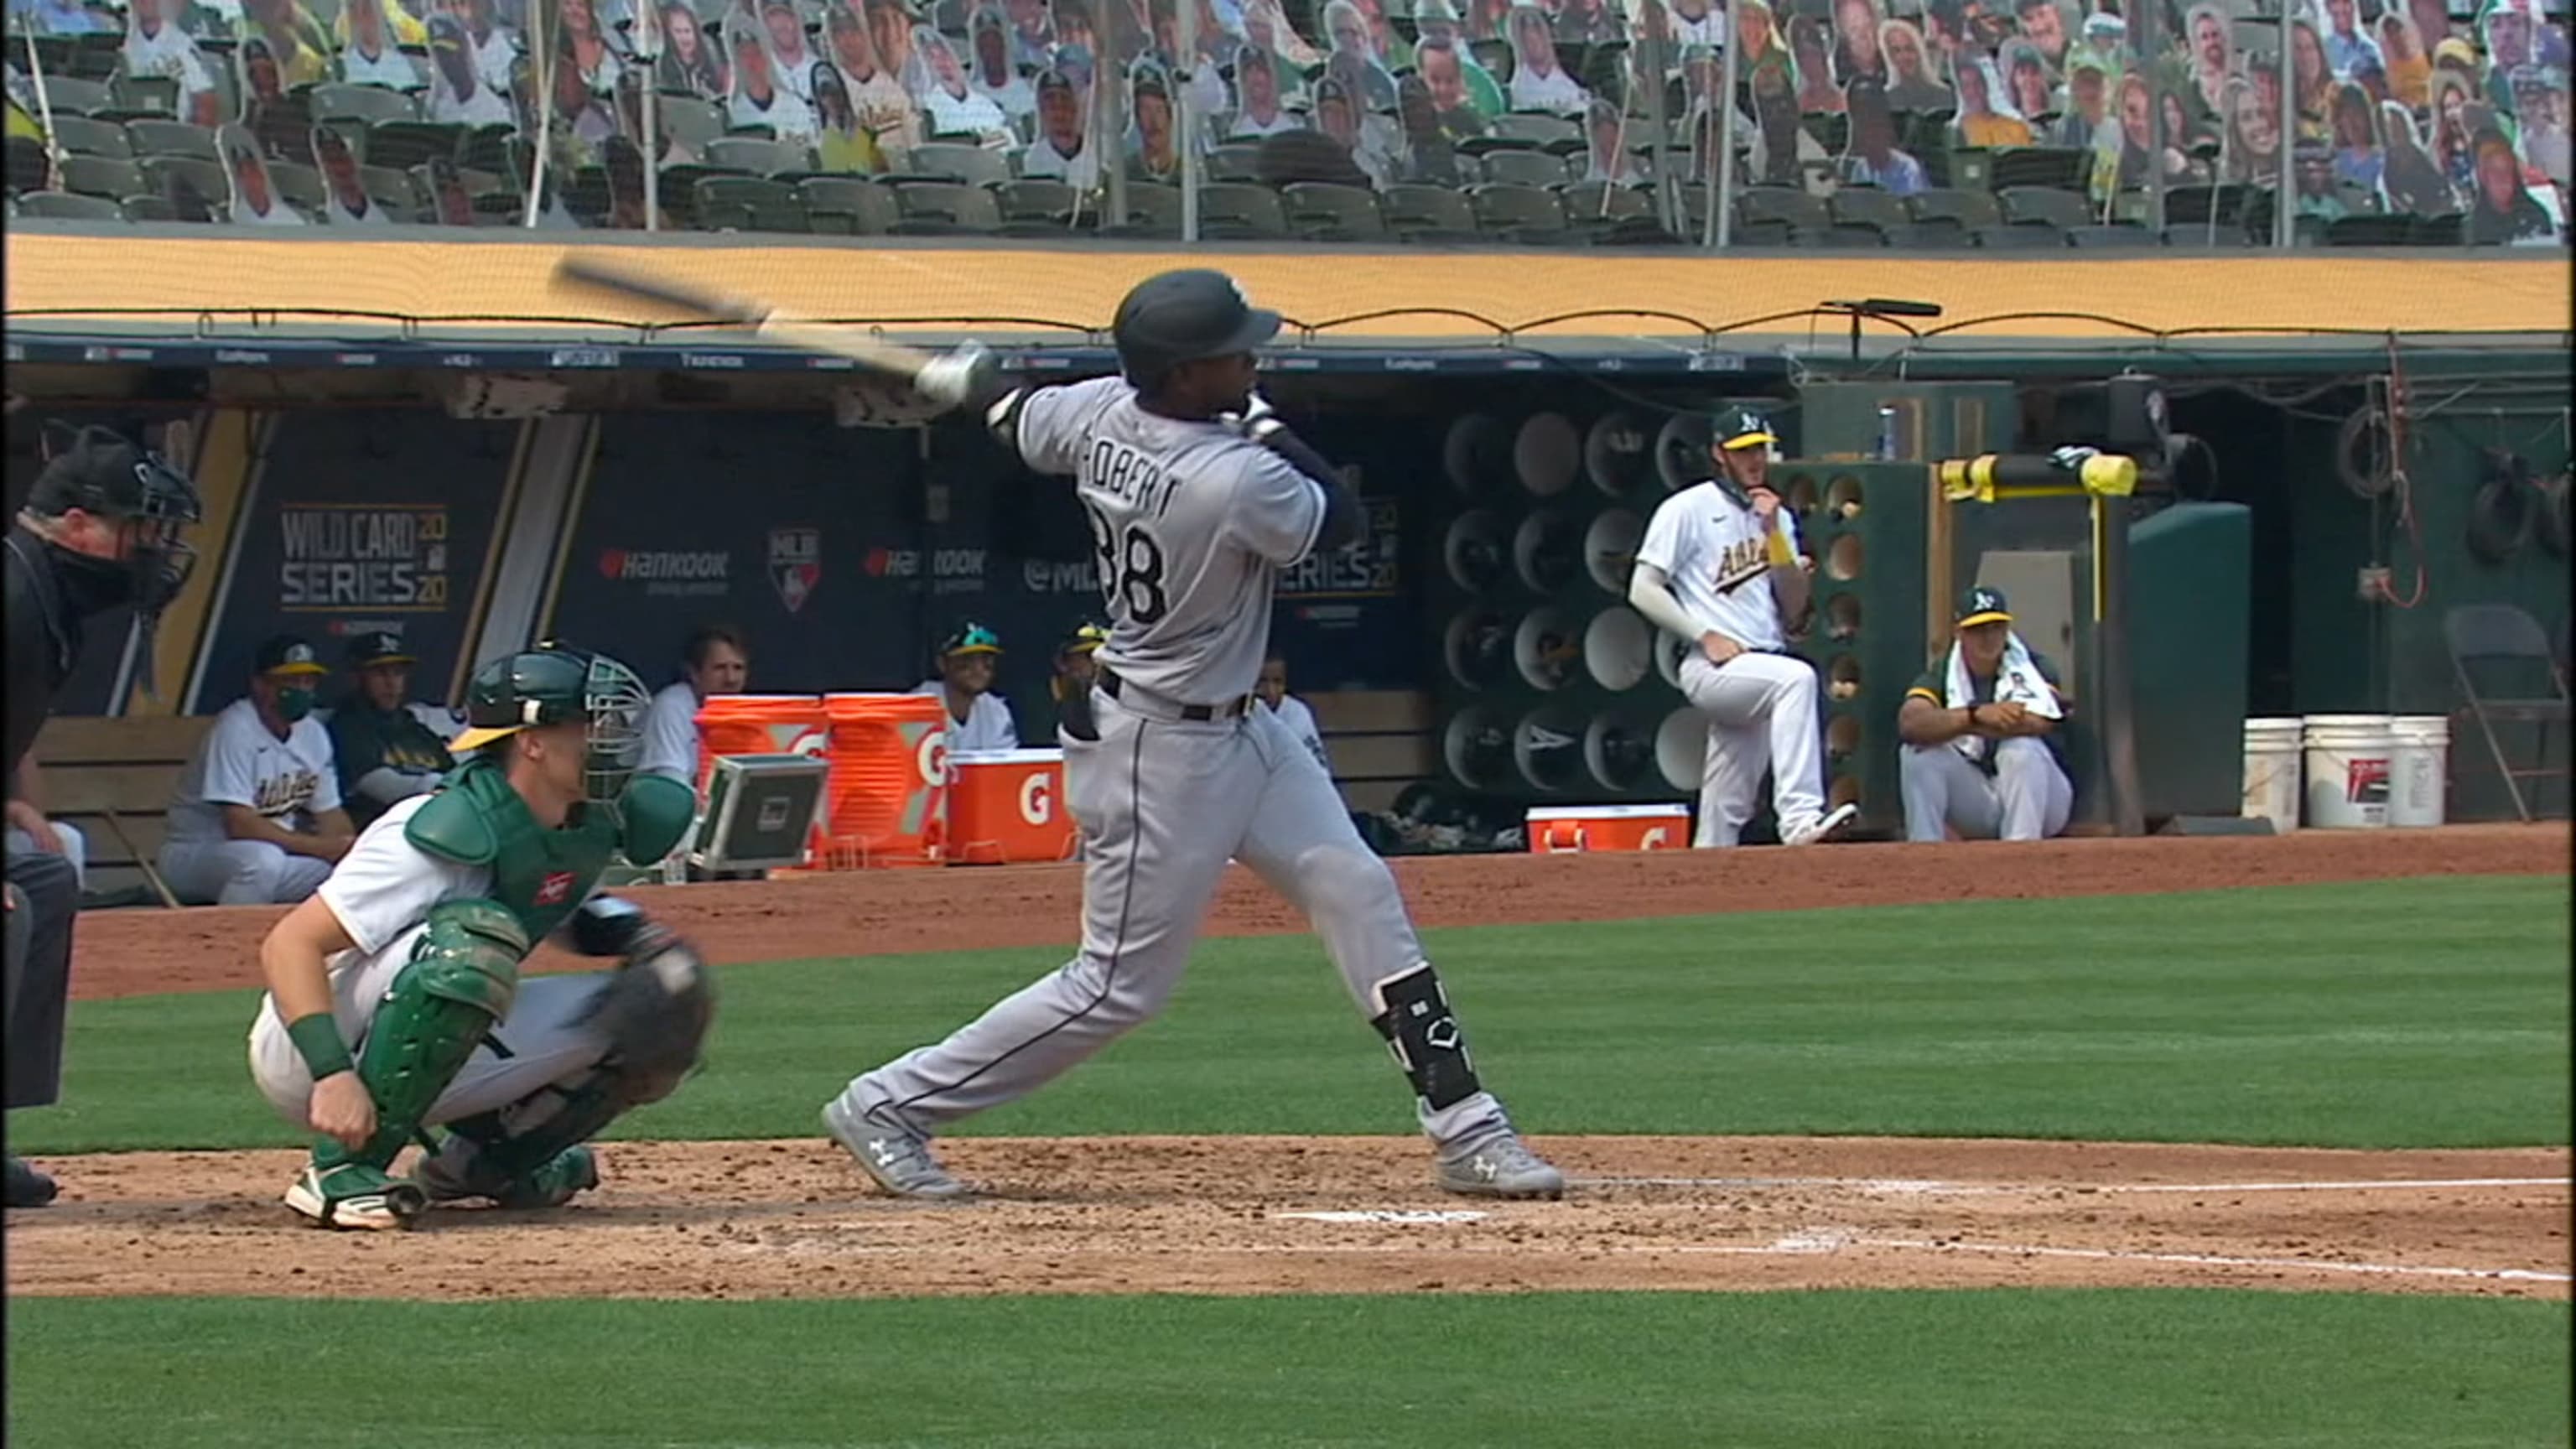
[
  {"x": 1808, "y": 1243},
  {"x": 2219, "y": 1260},
  {"x": 1927, "y": 1188}
]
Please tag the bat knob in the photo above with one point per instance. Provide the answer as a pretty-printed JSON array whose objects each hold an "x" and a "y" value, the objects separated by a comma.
[{"x": 953, "y": 378}]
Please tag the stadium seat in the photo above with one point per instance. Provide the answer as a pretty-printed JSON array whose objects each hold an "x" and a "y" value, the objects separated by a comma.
[
  {"x": 171, "y": 138},
  {"x": 748, "y": 203},
  {"x": 1429, "y": 214},
  {"x": 74, "y": 96},
  {"x": 96, "y": 56},
  {"x": 1523, "y": 214},
  {"x": 301, "y": 185},
  {"x": 500, "y": 209},
  {"x": 1783, "y": 204},
  {"x": 1831, "y": 130},
  {"x": 848, "y": 206},
  {"x": 1235, "y": 211},
  {"x": 1967, "y": 210},
  {"x": 1044, "y": 200},
  {"x": 206, "y": 177},
  {"x": 687, "y": 119},
  {"x": 944, "y": 208},
  {"x": 1868, "y": 206},
  {"x": 372, "y": 104},
  {"x": 1535, "y": 128},
  {"x": 1598, "y": 203},
  {"x": 2066, "y": 209},
  {"x": 2445, "y": 230},
  {"x": 1153, "y": 211},
  {"x": 149, "y": 208},
  {"x": 2030, "y": 236},
  {"x": 406, "y": 144},
  {"x": 29, "y": 168},
  {"x": 1858, "y": 236},
  {"x": 100, "y": 176},
  {"x": 1763, "y": 234},
  {"x": 756, "y": 157},
  {"x": 82, "y": 136},
  {"x": 2065, "y": 167},
  {"x": 955, "y": 164},
  {"x": 64, "y": 206},
  {"x": 490, "y": 149},
  {"x": 2119, "y": 234},
  {"x": 1234, "y": 162},
  {"x": 133, "y": 97},
  {"x": 1323, "y": 211},
  {"x": 393, "y": 190},
  {"x": 1522, "y": 168},
  {"x": 2370, "y": 231},
  {"x": 2188, "y": 205}
]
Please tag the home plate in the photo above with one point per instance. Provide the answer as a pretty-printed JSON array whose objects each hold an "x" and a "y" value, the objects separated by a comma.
[{"x": 1387, "y": 1215}]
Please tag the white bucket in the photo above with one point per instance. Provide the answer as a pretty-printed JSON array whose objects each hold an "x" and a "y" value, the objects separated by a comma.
[
  {"x": 2348, "y": 767},
  {"x": 2418, "y": 762},
  {"x": 2272, "y": 772}
]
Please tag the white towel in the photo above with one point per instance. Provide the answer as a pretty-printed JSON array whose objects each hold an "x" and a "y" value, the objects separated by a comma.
[{"x": 2017, "y": 681}]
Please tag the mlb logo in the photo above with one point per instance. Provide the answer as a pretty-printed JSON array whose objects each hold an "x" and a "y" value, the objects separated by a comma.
[
  {"x": 555, "y": 889},
  {"x": 795, "y": 564}
]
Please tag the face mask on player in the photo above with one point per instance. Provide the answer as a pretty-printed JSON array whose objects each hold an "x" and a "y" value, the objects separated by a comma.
[{"x": 294, "y": 704}]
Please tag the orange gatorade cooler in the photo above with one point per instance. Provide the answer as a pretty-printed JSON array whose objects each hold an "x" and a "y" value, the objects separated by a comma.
[
  {"x": 1007, "y": 806},
  {"x": 1558, "y": 828},
  {"x": 888, "y": 792},
  {"x": 758, "y": 724}
]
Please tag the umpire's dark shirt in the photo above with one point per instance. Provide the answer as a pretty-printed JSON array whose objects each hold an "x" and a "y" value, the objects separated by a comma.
[{"x": 44, "y": 639}]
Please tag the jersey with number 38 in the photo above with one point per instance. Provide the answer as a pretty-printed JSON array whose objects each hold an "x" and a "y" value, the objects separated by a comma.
[{"x": 1190, "y": 524}]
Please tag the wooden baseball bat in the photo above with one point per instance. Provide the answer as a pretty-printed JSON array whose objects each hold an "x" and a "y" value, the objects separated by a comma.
[{"x": 802, "y": 333}]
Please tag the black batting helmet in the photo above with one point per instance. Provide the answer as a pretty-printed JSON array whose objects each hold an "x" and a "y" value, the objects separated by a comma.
[{"x": 1181, "y": 316}]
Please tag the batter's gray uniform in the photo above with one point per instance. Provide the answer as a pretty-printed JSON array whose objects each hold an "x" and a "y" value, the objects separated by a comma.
[{"x": 1192, "y": 524}]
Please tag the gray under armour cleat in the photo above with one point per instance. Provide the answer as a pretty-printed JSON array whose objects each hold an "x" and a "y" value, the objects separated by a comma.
[
  {"x": 1501, "y": 1167},
  {"x": 900, "y": 1162}
]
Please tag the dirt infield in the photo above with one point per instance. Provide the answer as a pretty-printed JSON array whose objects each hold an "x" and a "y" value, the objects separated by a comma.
[
  {"x": 1223, "y": 1215},
  {"x": 1239, "y": 1214},
  {"x": 126, "y": 953}
]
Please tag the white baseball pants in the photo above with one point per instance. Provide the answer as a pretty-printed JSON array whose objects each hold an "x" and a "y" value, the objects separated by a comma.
[
  {"x": 75, "y": 847},
  {"x": 1161, "y": 803},
  {"x": 1761, "y": 712},
  {"x": 2027, "y": 798},
  {"x": 239, "y": 872},
  {"x": 543, "y": 1043}
]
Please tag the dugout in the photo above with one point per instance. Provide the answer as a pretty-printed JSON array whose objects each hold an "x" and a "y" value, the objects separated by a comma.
[{"x": 439, "y": 443}]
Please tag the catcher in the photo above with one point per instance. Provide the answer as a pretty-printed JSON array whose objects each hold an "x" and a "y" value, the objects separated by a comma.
[{"x": 394, "y": 999}]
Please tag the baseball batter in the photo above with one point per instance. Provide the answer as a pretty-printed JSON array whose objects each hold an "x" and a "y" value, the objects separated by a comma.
[
  {"x": 1197, "y": 498},
  {"x": 1720, "y": 567},
  {"x": 394, "y": 999}
]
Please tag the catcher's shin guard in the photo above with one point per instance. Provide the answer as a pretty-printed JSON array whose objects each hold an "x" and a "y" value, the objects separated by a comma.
[
  {"x": 460, "y": 980},
  {"x": 653, "y": 1014}
]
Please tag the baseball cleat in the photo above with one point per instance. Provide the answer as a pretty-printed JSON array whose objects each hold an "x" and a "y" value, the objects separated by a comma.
[
  {"x": 900, "y": 1162},
  {"x": 29, "y": 1188},
  {"x": 557, "y": 1181},
  {"x": 354, "y": 1195},
  {"x": 1834, "y": 819},
  {"x": 1502, "y": 1167}
]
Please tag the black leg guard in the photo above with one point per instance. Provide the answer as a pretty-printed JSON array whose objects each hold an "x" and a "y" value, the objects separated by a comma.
[{"x": 1414, "y": 1018}]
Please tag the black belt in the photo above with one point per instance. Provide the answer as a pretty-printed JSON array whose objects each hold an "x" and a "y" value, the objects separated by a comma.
[{"x": 1112, "y": 685}]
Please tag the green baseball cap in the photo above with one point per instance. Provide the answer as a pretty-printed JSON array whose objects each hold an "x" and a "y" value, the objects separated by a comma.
[{"x": 1982, "y": 605}]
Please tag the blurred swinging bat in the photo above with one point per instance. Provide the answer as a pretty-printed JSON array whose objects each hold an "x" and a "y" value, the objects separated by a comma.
[{"x": 947, "y": 378}]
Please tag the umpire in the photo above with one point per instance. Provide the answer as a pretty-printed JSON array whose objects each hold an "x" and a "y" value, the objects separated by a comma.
[{"x": 102, "y": 528}]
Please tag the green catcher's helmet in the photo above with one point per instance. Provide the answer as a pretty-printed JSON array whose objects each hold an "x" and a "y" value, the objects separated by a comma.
[{"x": 552, "y": 685}]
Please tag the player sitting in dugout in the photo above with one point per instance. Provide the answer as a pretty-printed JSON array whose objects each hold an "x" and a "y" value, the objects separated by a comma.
[
  {"x": 386, "y": 746},
  {"x": 257, "y": 817},
  {"x": 715, "y": 660},
  {"x": 978, "y": 719},
  {"x": 395, "y": 1002},
  {"x": 1981, "y": 751},
  {"x": 1076, "y": 670}
]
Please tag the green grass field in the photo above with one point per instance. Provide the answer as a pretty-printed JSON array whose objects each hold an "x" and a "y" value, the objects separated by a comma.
[
  {"x": 2396, "y": 1014},
  {"x": 2411, "y": 1013}
]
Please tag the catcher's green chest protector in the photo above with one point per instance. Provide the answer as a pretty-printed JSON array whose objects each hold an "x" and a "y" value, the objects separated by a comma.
[{"x": 541, "y": 875}]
